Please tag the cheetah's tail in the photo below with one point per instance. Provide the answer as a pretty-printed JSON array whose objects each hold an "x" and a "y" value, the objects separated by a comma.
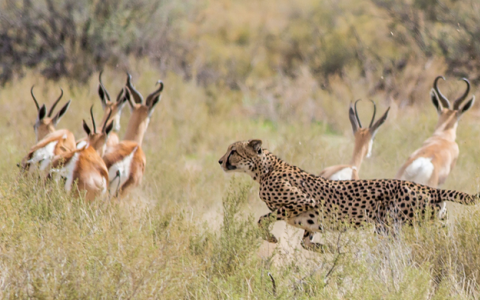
[{"x": 459, "y": 197}]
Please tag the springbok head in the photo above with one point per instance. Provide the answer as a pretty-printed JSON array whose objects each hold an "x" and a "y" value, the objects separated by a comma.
[
  {"x": 364, "y": 136},
  {"x": 141, "y": 110},
  {"x": 45, "y": 123},
  {"x": 98, "y": 140},
  {"x": 111, "y": 107},
  {"x": 448, "y": 116}
]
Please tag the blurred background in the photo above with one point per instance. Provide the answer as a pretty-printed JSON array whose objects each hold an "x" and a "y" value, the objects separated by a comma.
[{"x": 390, "y": 48}]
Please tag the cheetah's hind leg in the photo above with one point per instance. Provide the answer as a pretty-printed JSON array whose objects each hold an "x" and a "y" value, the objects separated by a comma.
[{"x": 307, "y": 243}]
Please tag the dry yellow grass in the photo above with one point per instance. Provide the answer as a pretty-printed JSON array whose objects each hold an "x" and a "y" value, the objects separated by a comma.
[{"x": 190, "y": 230}]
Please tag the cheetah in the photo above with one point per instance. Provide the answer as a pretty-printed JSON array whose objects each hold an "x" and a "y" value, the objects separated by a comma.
[{"x": 312, "y": 202}]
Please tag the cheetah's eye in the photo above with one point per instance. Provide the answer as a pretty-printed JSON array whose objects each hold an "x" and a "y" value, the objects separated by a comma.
[{"x": 259, "y": 151}]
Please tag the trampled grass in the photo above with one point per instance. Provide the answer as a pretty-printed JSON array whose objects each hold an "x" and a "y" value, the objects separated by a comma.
[{"x": 190, "y": 230}]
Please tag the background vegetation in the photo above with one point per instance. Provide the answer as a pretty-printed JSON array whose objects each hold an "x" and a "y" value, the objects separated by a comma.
[{"x": 282, "y": 72}]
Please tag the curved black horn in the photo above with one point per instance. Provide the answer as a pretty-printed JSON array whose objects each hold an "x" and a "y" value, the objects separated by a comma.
[
  {"x": 102, "y": 86},
  {"x": 155, "y": 93},
  {"x": 120, "y": 95},
  {"x": 34, "y": 99},
  {"x": 93, "y": 120},
  {"x": 456, "y": 104},
  {"x": 161, "y": 85},
  {"x": 50, "y": 112},
  {"x": 442, "y": 99},
  {"x": 106, "y": 120},
  {"x": 374, "y": 112},
  {"x": 356, "y": 114},
  {"x": 136, "y": 95}
]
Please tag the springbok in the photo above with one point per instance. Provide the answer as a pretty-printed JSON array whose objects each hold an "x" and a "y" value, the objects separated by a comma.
[
  {"x": 363, "y": 145},
  {"x": 113, "y": 108},
  {"x": 126, "y": 161},
  {"x": 85, "y": 166},
  {"x": 110, "y": 108},
  {"x": 45, "y": 125},
  {"x": 431, "y": 164}
]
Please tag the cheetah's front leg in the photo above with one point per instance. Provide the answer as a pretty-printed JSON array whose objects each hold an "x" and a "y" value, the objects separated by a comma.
[{"x": 265, "y": 221}]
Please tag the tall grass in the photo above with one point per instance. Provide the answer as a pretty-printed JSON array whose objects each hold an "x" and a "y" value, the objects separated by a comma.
[{"x": 190, "y": 230}]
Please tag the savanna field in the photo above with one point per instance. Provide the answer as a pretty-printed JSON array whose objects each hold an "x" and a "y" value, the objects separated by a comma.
[{"x": 285, "y": 74}]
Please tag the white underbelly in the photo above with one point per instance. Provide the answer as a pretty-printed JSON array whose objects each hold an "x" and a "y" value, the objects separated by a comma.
[
  {"x": 419, "y": 171},
  {"x": 67, "y": 172},
  {"x": 343, "y": 174},
  {"x": 119, "y": 172},
  {"x": 42, "y": 157}
]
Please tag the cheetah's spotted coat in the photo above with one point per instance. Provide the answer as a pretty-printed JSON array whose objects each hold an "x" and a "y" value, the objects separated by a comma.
[{"x": 306, "y": 201}]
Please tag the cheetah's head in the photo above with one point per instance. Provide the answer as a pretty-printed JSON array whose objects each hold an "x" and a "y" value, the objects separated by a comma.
[{"x": 243, "y": 157}]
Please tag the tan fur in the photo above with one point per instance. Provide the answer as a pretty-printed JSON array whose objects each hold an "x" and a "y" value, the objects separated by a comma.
[
  {"x": 113, "y": 139},
  {"x": 441, "y": 147},
  {"x": 137, "y": 124},
  {"x": 43, "y": 128},
  {"x": 90, "y": 173},
  {"x": 89, "y": 170},
  {"x": 141, "y": 112},
  {"x": 363, "y": 141},
  {"x": 65, "y": 143},
  {"x": 137, "y": 167}
]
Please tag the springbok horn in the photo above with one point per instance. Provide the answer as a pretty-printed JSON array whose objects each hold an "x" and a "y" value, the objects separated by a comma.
[
  {"x": 34, "y": 99},
  {"x": 108, "y": 118},
  {"x": 136, "y": 95},
  {"x": 93, "y": 120},
  {"x": 456, "y": 104},
  {"x": 356, "y": 114},
  {"x": 102, "y": 86},
  {"x": 443, "y": 99},
  {"x": 154, "y": 94},
  {"x": 374, "y": 112},
  {"x": 50, "y": 112}
]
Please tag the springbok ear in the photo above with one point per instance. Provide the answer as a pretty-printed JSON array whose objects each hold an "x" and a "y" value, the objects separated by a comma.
[
  {"x": 86, "y": 128},
  {"x": 468, "y": 105},
  {"x": 353, "y": 119},
  {"x": 153, "y": 104},
  {"x": 436, "y": 101},
  {"x": 109, "y": 128},
  {"x": 376, "y": 125},
  {"x": 42, "y": 112},
  {"x": 121, "y": 99},
  {"x": 154, "y": 98},
  {"x": 60, "y": 114},
  {"x": 256, "y": 145}
]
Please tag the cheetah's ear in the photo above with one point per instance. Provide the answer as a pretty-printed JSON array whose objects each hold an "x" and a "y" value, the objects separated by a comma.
[{"x": 256, "y": 145}]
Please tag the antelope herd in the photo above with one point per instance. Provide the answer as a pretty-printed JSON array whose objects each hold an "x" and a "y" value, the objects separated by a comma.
[
  {"x": 98, "y": 164},
  {"x": 102, "y": 164}
]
